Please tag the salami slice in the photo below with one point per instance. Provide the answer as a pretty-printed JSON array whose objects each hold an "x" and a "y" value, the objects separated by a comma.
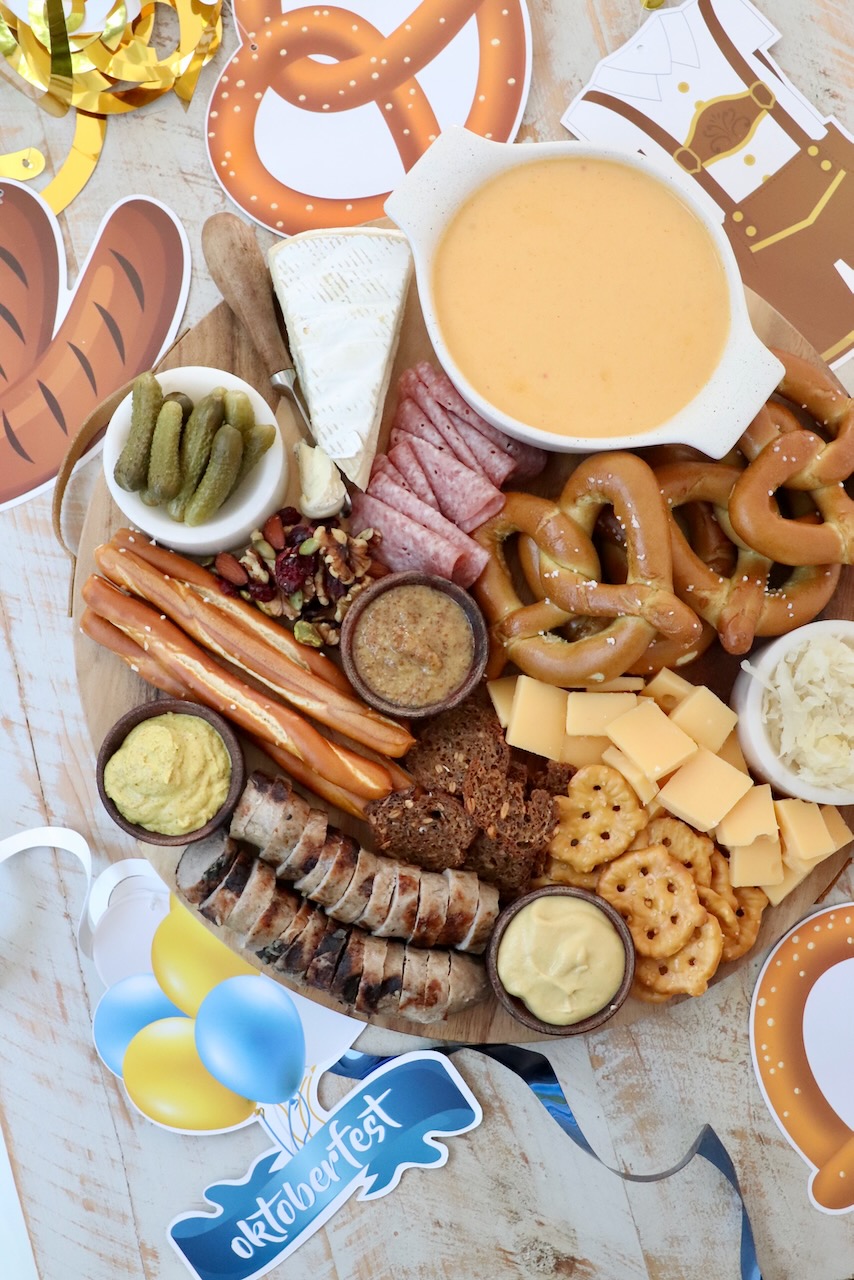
[
  {"x": 410, "y": 417},
  {"x": 528, "y": 458},
  {"x": 493, "y": 459},
  {"x": 411, "y": 385},
  {"x": 407, "y": 466},
  {"x": 473, "y": 557},
  {"x": 465, "y": 496},
  {"x": 382, "y": 462},
  {"x": 405, "y": 543}
]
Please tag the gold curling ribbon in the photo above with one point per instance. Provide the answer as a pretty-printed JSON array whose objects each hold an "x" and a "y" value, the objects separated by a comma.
[
  {"x": 100, "y": 73},
  {"x": 22, "y": 165}
]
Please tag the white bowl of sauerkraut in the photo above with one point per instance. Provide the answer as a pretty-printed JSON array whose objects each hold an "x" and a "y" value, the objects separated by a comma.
[{"x": 795, "y": 706}]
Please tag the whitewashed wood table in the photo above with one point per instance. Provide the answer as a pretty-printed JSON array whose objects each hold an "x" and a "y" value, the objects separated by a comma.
[{"x": 98, "y": 1184}]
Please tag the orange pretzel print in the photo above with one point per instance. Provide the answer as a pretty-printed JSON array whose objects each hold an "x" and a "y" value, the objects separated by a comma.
[{"x": 368, "y": 68}]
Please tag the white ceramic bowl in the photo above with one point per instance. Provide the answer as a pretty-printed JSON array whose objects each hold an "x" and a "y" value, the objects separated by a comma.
[
  {"x": 746, "y": 701},
  {"x": 457, "y": 164},
  {"x": 262, "y": 491}
]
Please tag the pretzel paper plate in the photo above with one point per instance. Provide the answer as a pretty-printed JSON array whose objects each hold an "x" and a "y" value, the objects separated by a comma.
[
  {"x": 108, "y": 688},
  {"x": 802, "y": 1041}
]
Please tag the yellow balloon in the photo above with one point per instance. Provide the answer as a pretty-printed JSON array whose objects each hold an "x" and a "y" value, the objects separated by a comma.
[
  {"x": 167, "y": 1080},
  {"x": 188, "y": 961}
]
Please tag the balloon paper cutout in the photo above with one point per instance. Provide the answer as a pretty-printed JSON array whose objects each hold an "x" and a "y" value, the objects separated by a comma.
[
  {"x": 250, "y": 1038},
  {"x": 189, "y": 962},
  {"x": 166, "y": 1079},
  {"x": 123, "y": 1010}
]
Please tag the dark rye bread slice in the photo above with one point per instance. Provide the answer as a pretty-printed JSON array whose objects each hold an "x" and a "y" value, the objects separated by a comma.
[
  {"x": 463, "y": 892},
  {"x": 204, "y": 865},
  {"x": 272, "y": 922},
  {"x": 450, "y": 741},
  {"x": 427, "y": 827},
  {"x": 550, "y": 776},
  {"x": 432, "y": 910},
  {"x": 353, "y": 901},
  {"x": 338, "y": 876},
  {"x": 511, "y": 848},
  {"x": 256, "y": 897},
  {"x": 403, "y": 908},
  {"x": 219, "y": 905},
  {"x": 321, "y": 972},
  {"x": 307, "y": 849},
  {"x": 348, "y": 975}
]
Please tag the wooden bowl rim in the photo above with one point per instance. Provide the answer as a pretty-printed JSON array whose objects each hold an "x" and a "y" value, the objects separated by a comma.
[
  {"x": 475, "y": 620},
  {"x": 116, "y": 735},
  {"x": 516, "y": 1007}
]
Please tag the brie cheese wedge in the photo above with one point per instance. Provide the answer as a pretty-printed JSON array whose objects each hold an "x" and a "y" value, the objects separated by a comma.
[{"x": 342, "y": 294}]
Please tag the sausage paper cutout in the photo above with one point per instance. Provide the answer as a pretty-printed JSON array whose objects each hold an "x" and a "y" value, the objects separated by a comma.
[
  {"x": 299, "y": 143},
  {"x": 802, "y": 1040},
  {"x": 63, "y": 353}
]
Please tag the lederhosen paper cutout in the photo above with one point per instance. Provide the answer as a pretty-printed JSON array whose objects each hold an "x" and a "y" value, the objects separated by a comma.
[{"x": 790, "y": 232}]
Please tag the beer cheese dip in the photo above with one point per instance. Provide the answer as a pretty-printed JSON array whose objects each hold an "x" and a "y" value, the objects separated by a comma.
[
  {"x": 581, "y": 296},
  {"x": 563, "y": 958}
]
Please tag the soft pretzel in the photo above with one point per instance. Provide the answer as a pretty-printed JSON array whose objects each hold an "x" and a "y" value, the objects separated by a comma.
[
  {"x": 740, "y": 606},
  {"x": 562, "y": 568},
  {"x": 758, "y": 520}
]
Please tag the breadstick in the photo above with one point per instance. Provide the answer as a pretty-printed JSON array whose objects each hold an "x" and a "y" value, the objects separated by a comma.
[
  {"x": 232, "y": 697},
  {"x": 207, "y": 587},
  {"x": 228, "y": 637}
]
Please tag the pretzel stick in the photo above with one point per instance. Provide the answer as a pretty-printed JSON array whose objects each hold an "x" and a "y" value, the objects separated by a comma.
[
  {"x": 229, "y": 638},
  {"x": 209, "y": 589},
  {"x": 144, "y": 665},
  {"x": 232, "y": 697}
]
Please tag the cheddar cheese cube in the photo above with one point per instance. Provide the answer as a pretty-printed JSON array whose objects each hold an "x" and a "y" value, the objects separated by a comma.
[
  {"x": 703, "y": 790},
  {"x": 590, "y": 714},
  {"x": 751, "y": 817},
  {"x": 836, "y": 825},
  {"x": 732, "y": 753},
  {"x": 704, "y": 718},
  {"x": 537, "y": 720},
  {"x": 654, "y": 744},
  {"x": 668, "y": 689},
  {"x": 791, "y": 879},
  {"x": 644, "y": 788},
  {"x": 501, "y": 692},
  {"x": 580, "y": 749},
  {"x": 620, "y": 684},
  {"x": 803, "y": 831},
  {"x": 757, "y": 863}
]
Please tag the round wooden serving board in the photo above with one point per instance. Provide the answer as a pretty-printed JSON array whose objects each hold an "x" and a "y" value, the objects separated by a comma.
[{"x": 108, "y": 688}]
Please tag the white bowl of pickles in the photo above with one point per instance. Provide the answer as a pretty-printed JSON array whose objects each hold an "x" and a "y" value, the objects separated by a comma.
[{"x": 193, "y": 457}]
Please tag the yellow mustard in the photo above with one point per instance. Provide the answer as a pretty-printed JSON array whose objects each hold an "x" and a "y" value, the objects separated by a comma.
[
  {"x": 170, "y": 775},
  {"x": 563, "y": 957}
]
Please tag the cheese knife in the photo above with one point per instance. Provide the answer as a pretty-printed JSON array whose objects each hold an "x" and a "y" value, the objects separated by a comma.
[{"x": 240, "y": 272}]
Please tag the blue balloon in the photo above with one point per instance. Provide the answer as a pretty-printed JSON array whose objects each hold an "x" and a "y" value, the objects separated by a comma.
[
  {"x": 124, "y": 1009},
  {"x": 250, "y": 1038}
]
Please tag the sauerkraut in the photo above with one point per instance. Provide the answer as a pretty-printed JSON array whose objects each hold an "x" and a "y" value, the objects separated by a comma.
[{"x": 808, "y": 711}]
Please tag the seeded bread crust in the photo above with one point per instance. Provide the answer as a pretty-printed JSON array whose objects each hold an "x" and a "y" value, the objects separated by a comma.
[{"x": 427, "y": 827}]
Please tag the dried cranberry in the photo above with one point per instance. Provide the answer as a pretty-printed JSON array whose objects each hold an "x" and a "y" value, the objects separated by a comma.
[
  {"x": 333, "y": 587},
  {"x": 296, "y": 536},
  {"x": 227, "y": 588},
  {"x": 290, "y": 572},
  {"x": 290, "y": 516},
  {"x": 263, "y": 591}
]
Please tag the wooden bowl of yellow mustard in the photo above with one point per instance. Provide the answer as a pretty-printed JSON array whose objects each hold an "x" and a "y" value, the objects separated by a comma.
[
  {"x": 561, "y": 960},
  {"x": 170, "y": 772}
]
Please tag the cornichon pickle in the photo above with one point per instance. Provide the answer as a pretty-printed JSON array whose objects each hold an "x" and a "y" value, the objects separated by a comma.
[
  {"x": 255, "y": 445},
  {"x": 164, "y": 471},
  {"x": 239, "y": 412},
  {"x": 196, "y": 442},
  {"x": 217, "y": 482},
  {"x": 131, "y": 470},
  {"x": 183, "y": 400}
]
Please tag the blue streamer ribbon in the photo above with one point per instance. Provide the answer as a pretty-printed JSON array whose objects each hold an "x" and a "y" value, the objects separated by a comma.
[{"x": 539, "y": 1076}]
